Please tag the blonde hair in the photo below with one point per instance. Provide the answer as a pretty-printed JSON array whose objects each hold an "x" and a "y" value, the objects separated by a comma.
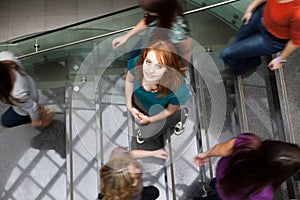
[{"x": 115, "y": 180}]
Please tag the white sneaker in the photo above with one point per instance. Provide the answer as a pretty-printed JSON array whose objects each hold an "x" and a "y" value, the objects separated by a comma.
[
  {"x": 139, "y": 138},
  {"x": 180, "y": 126}
]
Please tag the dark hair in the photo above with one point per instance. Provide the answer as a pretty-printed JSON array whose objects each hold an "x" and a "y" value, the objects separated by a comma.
[
  {"x": 6, "y": 81},
  {"x": 166, "y": 55},
  {"x": 167, "y": 11},
  {"x": 269, "y": 162}
]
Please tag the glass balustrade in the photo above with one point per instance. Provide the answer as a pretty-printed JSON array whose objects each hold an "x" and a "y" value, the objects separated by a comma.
[
  {"x": 105, "y": 24},
  {"x": 93, "y": 69}
]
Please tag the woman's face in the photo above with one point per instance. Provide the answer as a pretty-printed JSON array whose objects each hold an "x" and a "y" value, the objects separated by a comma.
[
  {"x": 135, "y": 172},
  {"x": 153, "y": 71}
]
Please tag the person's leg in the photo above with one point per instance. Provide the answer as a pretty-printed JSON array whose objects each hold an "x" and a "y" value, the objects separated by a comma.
[
  {"x": 245, "y": 54},
  {"x": 213, "y": 196},
  {"x": 158, "y": 128},
  {"x": 11, "y": 119},
  {"x": 150, "y": 193},
  {"x": 239, "y": 59},
  {"x": 251, "y": 28},
  {"x": 151, "y": 136},
  {"x": 179, "y": 128}
]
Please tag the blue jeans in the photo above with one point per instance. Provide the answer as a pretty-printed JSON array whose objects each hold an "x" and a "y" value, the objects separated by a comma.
[
  {"x": 251, "y": 42},
  {"x": 11, "y": 119}
]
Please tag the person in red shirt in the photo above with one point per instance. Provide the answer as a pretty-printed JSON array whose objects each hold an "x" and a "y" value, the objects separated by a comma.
[{"x": 269, "y": 27}]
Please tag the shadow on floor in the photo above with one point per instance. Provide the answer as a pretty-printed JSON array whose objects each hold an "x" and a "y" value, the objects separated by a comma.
[{"x": 52, "y": 137}]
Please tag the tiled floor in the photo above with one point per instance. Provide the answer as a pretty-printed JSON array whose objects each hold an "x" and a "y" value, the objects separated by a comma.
[{"x": 27, "y": 154}]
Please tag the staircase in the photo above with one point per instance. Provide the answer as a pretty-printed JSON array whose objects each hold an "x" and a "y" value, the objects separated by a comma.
[{"x": 81, "y": 82}]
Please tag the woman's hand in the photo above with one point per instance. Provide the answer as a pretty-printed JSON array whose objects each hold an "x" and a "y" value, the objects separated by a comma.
[
  {"x": 247, "y": 16},
  {"x": 274, "y": 64},
  {"x": 119, "y": 41},
  {"x": 36, "y": 123},
  {"x": 135, "y": 113},
  {"x": 160, "y": 154},
  {"x": 144, "y": 119},
  {"x": 200, "y": 159}
]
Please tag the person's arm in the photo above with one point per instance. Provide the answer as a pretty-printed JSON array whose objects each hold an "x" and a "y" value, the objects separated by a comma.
[
  {"x": 162, "y": 115},
  {"x": 145, "y": 153},
  {"x": 31, "y": 107},
  {"x": 23, "y": 99},
  {"x": 136, "y": 29},
  {"x": 250, "y": 9},
  {"x": 289, "y": 48},
  {"x": 222, "y": 149},
  {"x": 128, "y": 95},
  {"x": 185, "y": 47}
]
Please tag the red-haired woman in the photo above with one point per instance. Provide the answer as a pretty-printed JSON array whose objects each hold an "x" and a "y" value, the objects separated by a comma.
[{"x": 155, "y": 91}]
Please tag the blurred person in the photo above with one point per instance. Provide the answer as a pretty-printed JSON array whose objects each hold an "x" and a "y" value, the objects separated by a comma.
[
  {"x": 250, "y": 168},
  {"x": 121, "y": 176},
  {"x": 269, "y": 26},
  {"x": 163, "y": 14},
  {"x": 18, "y": 90},
  {"x": 155, "y": 90}
]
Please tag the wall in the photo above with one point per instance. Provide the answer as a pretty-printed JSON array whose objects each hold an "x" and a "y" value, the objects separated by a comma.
[{"x": 19, "y": 18}]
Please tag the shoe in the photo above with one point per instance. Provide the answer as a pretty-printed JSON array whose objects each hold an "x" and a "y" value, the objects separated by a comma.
[
  {"x": 248, "y": 73},
  {"x": 228, "y": 74},
  {"x": 139, "y": 138},
  {"x": 180, "y": 126},
  {"x": 46, "y": 115}
]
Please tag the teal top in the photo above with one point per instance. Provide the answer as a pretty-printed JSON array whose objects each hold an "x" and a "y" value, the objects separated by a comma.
[{"x": 155, "y": 105}]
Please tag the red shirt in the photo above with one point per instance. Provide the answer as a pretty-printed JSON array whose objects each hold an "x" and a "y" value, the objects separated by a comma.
[{"x": 283, "y": 19}]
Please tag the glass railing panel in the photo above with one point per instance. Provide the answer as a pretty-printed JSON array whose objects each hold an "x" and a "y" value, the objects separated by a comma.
[
  {"x": 75, "y": 33},
  {"x": 231, "y": 13},
  {"x": 240, "y": 5},
  {"x": 69, "y": 57}
]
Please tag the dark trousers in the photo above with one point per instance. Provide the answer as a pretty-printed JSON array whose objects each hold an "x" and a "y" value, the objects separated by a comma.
[
  {"x": 11, "y": 119},
  {"x": 214, "y": 196},
  {"x": 158, "y": 128},
  {"x": 150, "y": 193},
  {"x": 251, "y": 42}
]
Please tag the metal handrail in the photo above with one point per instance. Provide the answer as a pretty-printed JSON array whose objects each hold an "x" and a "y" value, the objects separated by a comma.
[
  {"x": 121, "y": 30},
  {"x": 243, "y": 105},
  {"x": 286, "y": 106},
  {"x": 208, "y": 7},
  {"x": 34, "y": 35},
  {"x": 70, "y": 96}
]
